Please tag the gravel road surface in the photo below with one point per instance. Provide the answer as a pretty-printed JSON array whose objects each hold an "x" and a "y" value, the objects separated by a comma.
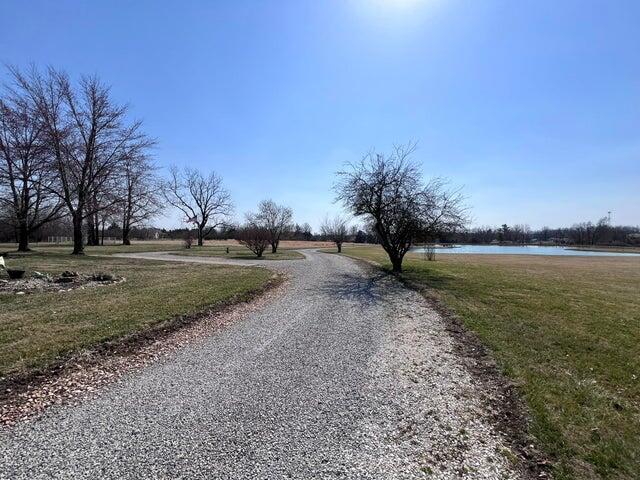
[{"x": 345, "y": 374}]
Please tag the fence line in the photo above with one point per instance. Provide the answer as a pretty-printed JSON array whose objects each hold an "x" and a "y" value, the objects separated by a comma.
[{"x": 59, "y": 239}]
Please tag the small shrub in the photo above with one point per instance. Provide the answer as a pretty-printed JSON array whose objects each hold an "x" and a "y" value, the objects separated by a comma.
[
  {"x": 430, "y": 252},
  {"x": 254, "y": 238}
]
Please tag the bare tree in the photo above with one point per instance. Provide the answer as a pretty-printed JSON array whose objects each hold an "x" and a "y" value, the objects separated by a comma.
[
  {"x": 25, "y": 176},
  {"x": 276, "y": 219},
  {"x": 255, "y": 238},
  {"x": 203, "y": 199},
  {"x": 336, "y": 229},
  {"x": 103, "y": 206},
  {"x": 388, "y": 191},
  {"x": 88, "y": 137},
  {"x": 139, "y": 190}
]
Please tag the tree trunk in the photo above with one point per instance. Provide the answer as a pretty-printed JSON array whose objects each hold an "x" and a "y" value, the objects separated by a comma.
[
  {"x": 339, "y": 247},
  {"x": 397, "y": 264},
  {"x": 126, "y": 229},
  {"x": 78, "y": 247},
  {"x": 23, "y": 236},
  {"x": 92, "y": 238},
  {"x": 125, "y": 236},
  {"x": 200, "y": 237},
  {"x": 274, "y": 247}
]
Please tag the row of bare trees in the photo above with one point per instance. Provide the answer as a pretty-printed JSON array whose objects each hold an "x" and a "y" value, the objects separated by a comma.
[
  {"x": 69, "y": 149},
  {"x": 388, "y": 193}
]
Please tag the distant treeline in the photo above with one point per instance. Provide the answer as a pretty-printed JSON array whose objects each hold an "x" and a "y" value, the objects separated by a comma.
[
  {"x": 299, "y": 232},
  {"x": 63, "y": 228},
  {"x": 585, "y": 233}
]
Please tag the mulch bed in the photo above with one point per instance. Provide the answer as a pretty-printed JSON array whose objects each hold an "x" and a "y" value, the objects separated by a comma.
[{"x": 66, "y": 281}]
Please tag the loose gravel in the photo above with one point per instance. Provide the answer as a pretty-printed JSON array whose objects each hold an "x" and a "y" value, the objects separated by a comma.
[{"x": 346, "y": 374}]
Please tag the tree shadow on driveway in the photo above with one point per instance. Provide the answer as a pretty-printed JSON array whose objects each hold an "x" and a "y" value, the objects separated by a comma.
[{"x": 358, "y": 288}]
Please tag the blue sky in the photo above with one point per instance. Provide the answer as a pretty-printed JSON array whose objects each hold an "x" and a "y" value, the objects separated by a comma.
[{"x": 533, "y": 106}]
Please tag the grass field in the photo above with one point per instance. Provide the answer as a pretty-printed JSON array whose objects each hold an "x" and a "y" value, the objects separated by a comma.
[
  {"x": 240, "y": 252},
  {"x": 211, "y": 248},
  {"x": 567, "y": 330},
  {"x": 36, "y": 329},
  {"x": 608, "y": 249}
]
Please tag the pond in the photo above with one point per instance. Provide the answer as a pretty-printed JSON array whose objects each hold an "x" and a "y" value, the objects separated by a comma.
[{"x": 521, "y": 250}]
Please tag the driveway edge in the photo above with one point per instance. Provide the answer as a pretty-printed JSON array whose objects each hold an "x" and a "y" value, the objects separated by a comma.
[
  {"x": 508, "y": 412},
  {"x": 85, "y": 372}
]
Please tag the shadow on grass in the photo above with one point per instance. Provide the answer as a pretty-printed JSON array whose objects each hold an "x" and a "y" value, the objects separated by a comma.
[{"x": 428, "y": 278}]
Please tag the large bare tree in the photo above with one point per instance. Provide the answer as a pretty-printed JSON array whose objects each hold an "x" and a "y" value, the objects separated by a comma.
[
  {"x": 25, "y": 174},
  {"x": 389, "y": 192},
  {"x": 202, "y": 198},
  {"x": 141, "y": 200},
  {"x": 335, "y": 229},
  {"x": 276, "y": 219},
  {"x": 88, "y": 136}
]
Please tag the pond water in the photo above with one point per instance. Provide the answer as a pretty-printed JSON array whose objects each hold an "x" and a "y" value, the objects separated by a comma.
[{"x": 521, "y": 250}]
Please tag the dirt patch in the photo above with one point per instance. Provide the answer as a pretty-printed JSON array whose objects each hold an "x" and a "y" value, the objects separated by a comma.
[
  {"x": 81, "y": 374},
  {"x": 66, "y": 281}
]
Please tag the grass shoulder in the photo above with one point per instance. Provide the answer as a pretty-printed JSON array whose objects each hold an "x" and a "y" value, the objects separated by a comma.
[{"x": 567, "y": 331}]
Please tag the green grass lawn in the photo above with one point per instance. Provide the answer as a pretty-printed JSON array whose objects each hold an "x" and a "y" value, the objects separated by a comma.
[
  {"x": 210, "y": 249},
  {"x": 567, "y": 330},
  {"x": 239, "y": 252},
  {"x": 135, "y": 247},
  {"x": 36, "y": 329}
]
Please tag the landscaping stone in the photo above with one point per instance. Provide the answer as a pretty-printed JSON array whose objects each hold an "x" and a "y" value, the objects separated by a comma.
[
  {"x": 40, "y": 276},
  {"x": 64, "y": 279}
]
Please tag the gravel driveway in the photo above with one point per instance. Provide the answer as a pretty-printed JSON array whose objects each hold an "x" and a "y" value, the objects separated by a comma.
[{"x": 346, "y": 374}]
